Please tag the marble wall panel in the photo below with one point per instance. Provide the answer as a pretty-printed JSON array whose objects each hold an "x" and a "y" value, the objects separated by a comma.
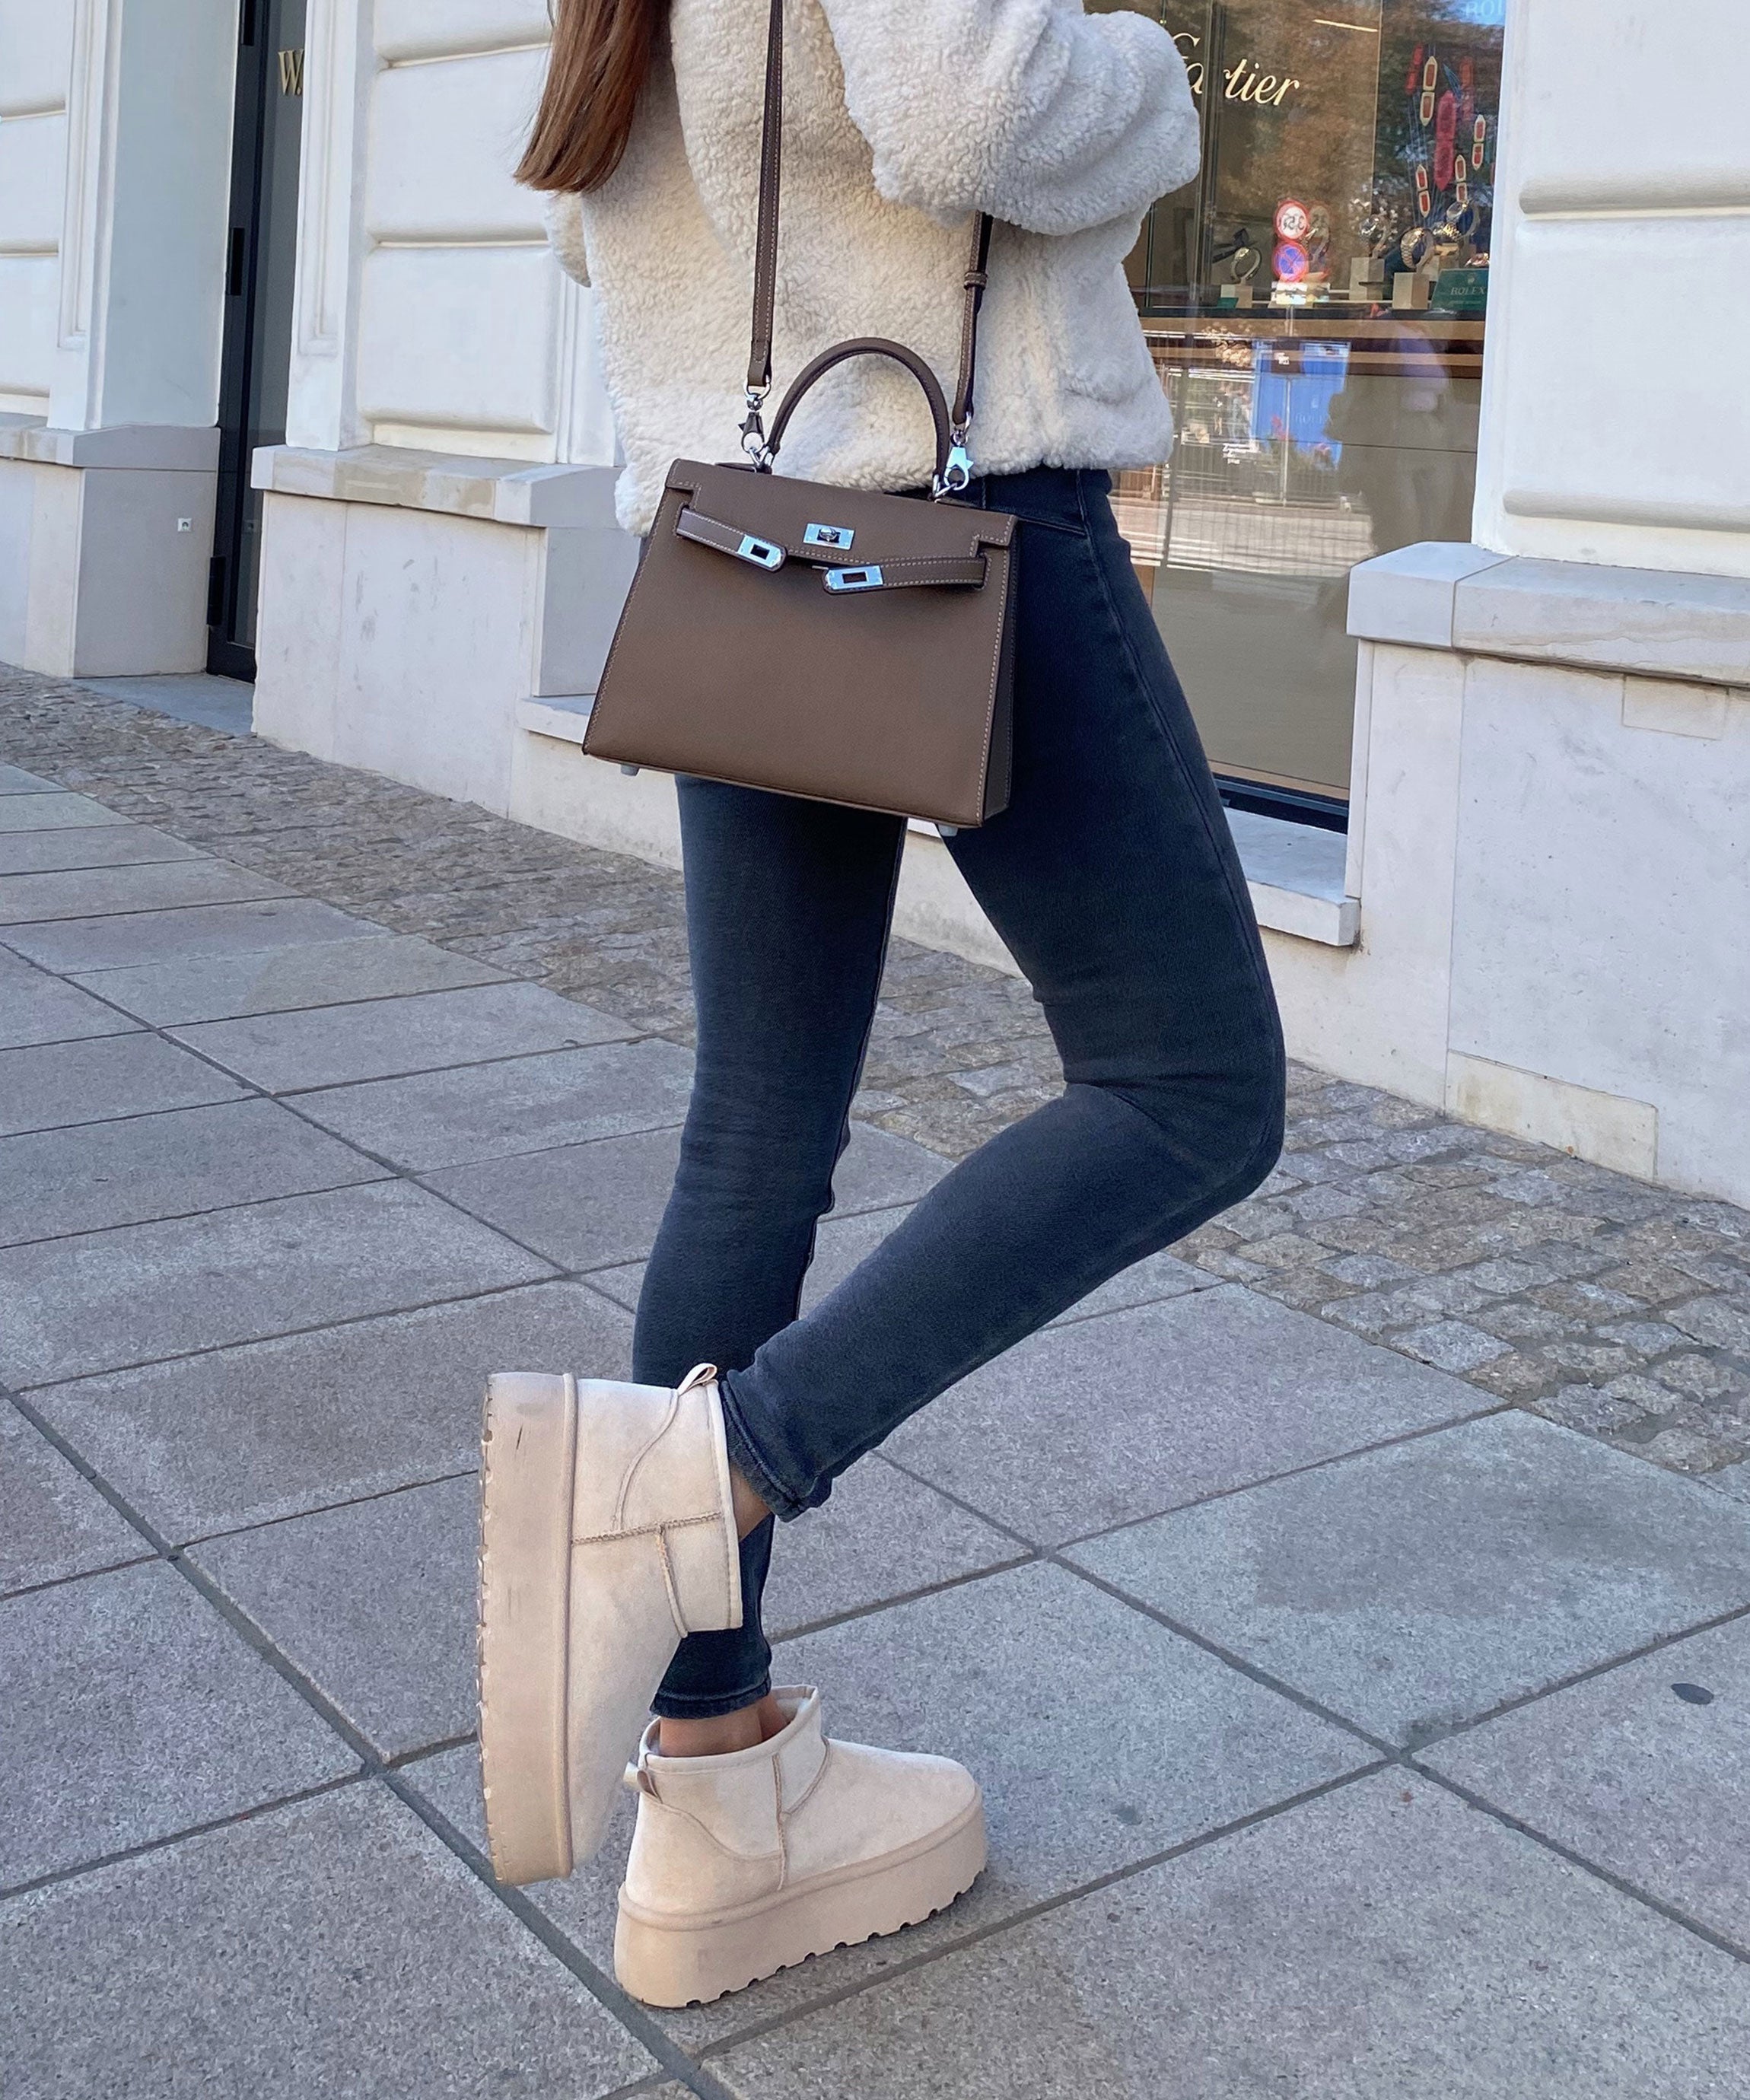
[
  {"x": 437, "y": 618},
  {"x": 462, "y": 337},
  {"x": 33, "y": 178},
  {"x": 1602, "y": 890},
  {"x": 18, "y": 498},
  {"x": 36, "y": 42},
  {"x": 1615, "y": 91},
  {"x": 298, "y": 622},
  {"x": 1638, "y": 420},
  {"x": 443, "y": 139},
  {"x": 429, "y": 29},
  {"x": 30, "y": 286},
  {"x": 1619, "y": 293}
]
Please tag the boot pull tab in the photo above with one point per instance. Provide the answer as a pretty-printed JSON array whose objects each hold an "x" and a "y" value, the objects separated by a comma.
[
  {"x": 700, "y": 1375},
  {"x": 637, "y": 1779}
]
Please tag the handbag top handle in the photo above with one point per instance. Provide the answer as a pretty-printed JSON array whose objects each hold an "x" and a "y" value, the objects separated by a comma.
[{"x": 957, "y": 472}]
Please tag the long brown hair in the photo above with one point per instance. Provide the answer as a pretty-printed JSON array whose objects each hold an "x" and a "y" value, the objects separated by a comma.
[{"x": 601, "y": 54}]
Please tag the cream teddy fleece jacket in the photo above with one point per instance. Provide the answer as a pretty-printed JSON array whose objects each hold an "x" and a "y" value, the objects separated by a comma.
[{"x": 901, "y": 118}]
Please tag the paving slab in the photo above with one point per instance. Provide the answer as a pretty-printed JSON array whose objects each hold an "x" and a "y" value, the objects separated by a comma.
[
  {"x": 1381, "y": 1944},
  {"x": 580, "y": 1205},
  {"x": 1102, "y": 1420},
  {"x": 103, "y": 1300},
  {"x": 333, "y": 1045},
  {"x": 1418, "y": 1587},
  {"x": 590, "y": 1204},
  {"x": 334, "y": 1947},
  {"x": 880, "y": 1536},
  {"x": 213, "y": 700},
  {"x": 242, "y": 1436},
  {"x": 374, "y": 1602},
  {"x": 841, "y": 1245},
  {"x": 15, "y": 780},
  {"x": 1100, "y": 1739},
  {"x": 36, "y": 1007},
  {"x": 165, "y": 1165},
  {"x": 102, "y": 891},
  {"x": 1732, "y": 1480},
  {"x": 1145, "y": 1283},
  {"x": 95, "y": 845},
  {"x": 53, "y": 1523},
  {"x": 176, "y": 992},
  {"x": 1645, "y": 1770},
  {"x": 878, "y": 1170},
  {"x": 134, "y": 1711},
  {"x": 49, "y": 1086},
  {"x": 844, "y": 1242},
  {"x": 525, "y": 1104},
  {"x": 131, "y": 938},
  {"x": 53, "y": 812}
]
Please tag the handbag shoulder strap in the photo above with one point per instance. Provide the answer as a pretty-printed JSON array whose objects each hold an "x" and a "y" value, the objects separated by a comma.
[{"x": 765, "y": 276}]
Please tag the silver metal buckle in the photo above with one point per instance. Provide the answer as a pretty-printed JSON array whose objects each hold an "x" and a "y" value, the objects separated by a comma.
[
  {"x": 829, "y": 536},
  {"x": 957, "y": 471},
  {"x": 753, "y": 431},
  {"x": 762, "y": 552},
  {"x": 852, "y": 579}
]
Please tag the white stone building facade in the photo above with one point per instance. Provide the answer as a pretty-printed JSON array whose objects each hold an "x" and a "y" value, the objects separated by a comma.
[{"x": 1536, "y": 914}]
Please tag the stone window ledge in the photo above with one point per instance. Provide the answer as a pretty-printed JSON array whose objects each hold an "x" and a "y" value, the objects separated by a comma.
[
  {"x": 150, "y": 445},
  {"x": 506, "y": 491},
  {"x": 1295, "y": 873},
  {"x": 1649, "y": 623}
]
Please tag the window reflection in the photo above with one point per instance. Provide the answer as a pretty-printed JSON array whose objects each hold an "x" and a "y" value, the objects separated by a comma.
[{"x": 1314, "y": 303}]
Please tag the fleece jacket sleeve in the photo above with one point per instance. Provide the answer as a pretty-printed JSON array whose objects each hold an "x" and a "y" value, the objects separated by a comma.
[
  {"x": 563, "y": 212},
  {"x": 1044, "y": 117}
]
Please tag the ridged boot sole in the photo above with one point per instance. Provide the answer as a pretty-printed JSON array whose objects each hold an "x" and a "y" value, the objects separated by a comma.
[
  {"x": 528, "y": 1456},
  {"x": 665, "y": 1962}
]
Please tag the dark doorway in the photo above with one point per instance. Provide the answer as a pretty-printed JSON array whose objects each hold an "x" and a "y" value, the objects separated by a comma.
[{"x": 259, "y": 265}]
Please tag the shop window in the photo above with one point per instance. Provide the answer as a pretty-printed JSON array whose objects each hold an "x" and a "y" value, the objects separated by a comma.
[{"x": 1314, "y": 301}]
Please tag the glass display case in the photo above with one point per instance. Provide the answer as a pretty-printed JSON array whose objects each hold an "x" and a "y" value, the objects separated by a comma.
[{"x": 1314, "y": 301}]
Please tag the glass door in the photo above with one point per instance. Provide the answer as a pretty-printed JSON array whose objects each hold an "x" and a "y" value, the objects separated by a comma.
[
  {"x": 1315, "y": 302},
  {"x": 260, "y": 259}
]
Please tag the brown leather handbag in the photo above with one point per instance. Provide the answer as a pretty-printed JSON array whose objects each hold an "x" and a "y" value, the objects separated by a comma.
[{"x": 832, "y": 643}]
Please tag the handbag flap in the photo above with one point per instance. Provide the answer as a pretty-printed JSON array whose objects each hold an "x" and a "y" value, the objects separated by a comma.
[{"x": 831, "y": 527}]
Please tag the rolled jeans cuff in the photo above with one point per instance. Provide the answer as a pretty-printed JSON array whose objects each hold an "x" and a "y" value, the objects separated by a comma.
[
  {"x": 698, "y": 1706},
  {"x": 744, "y": 1456}
]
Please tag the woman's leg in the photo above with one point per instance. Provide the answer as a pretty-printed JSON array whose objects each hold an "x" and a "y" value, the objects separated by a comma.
[
  {"x": 788, "y": 904},
  {"x": 1112, "y": 877}
]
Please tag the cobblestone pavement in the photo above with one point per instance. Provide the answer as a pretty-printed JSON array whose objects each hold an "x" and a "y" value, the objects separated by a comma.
[
  {"x": 1345, "y": 1730},
  {"x": 1614, "y": 1307}
]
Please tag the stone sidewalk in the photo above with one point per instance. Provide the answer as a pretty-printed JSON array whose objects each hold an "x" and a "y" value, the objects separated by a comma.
[{"x": 1349, "y": 1726}]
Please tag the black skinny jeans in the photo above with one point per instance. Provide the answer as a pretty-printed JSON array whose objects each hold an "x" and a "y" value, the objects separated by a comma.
[{"x": 1112, "y": 878}]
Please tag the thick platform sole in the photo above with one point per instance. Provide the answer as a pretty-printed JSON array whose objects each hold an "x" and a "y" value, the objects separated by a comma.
[
  {"x": 663, "y": 1963},
  {"x": 528, "y": 1455}
]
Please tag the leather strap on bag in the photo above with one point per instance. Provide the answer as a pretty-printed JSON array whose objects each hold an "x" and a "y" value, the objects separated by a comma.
[
  {"x": 954, "y": 471},
  {"x": 897, "y": 572},
  {"x": 766, "y": 242}
]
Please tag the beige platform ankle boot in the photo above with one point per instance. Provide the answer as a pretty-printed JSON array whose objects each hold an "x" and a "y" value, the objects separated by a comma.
[
  {"x": 743, "y": 1864},
  {"x": 607, "y": 1532}
]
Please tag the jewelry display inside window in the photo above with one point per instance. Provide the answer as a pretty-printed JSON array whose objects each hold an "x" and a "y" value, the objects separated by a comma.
[{"x": 1315, "y": 304}]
